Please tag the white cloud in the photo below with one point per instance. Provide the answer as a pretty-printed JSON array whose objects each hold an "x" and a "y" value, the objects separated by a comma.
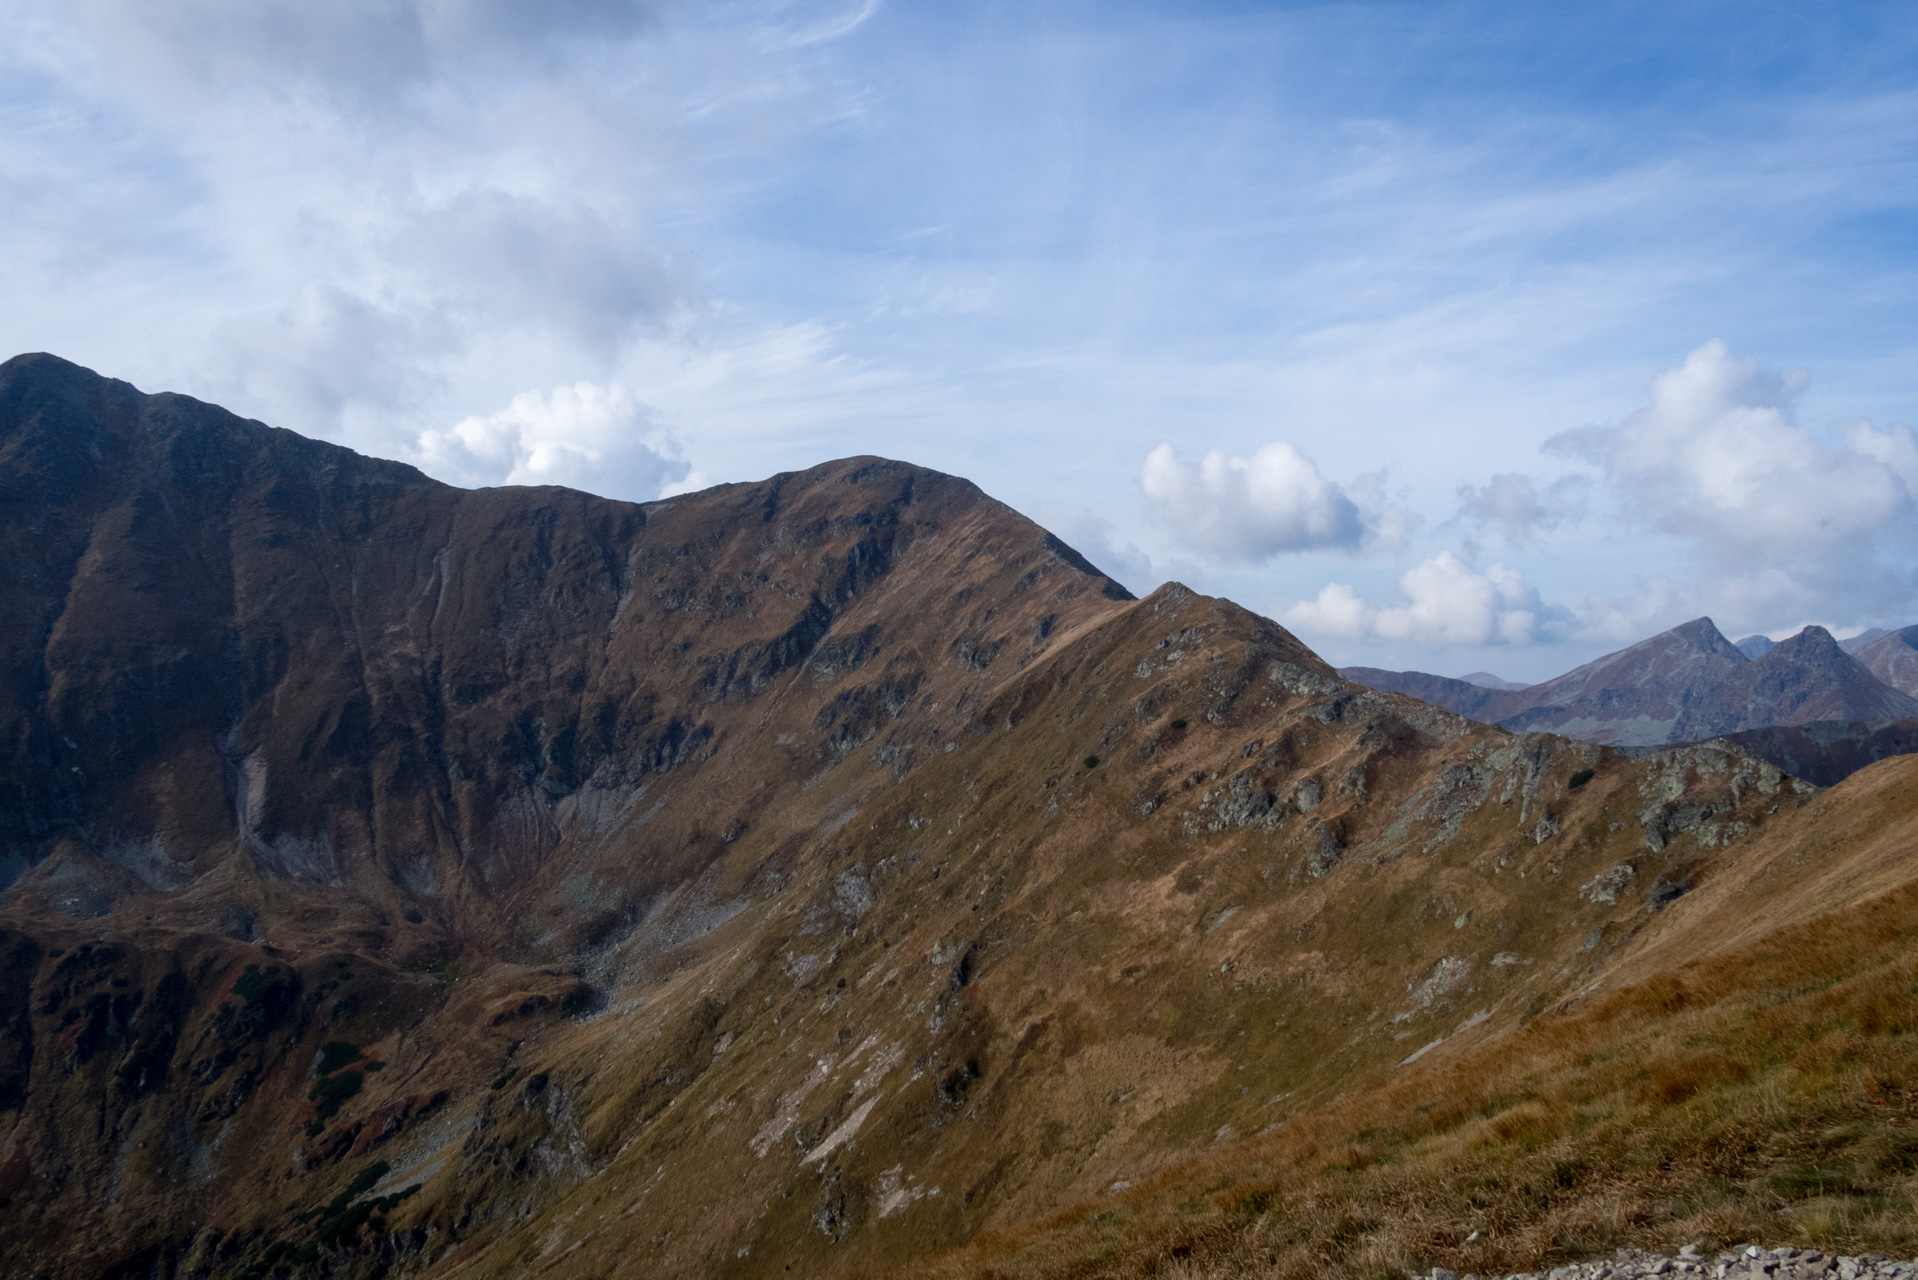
[
  {"x": 1716, "y": 457},
  {"x": 1894, "y": 448},
  {"x": 1789, "y": 522},
  {"x": 1513, "y": 501},
  {"x": 1447, "y": 603},
  {"x": 1253, "y": 508},
  {"x": 590, "y": 436},
  {"x": 352, "y": 52},
  {"x": 693, "y": 482},
  {"x": 1338, "y": 611},
  {"x": 362, "y": 217}
]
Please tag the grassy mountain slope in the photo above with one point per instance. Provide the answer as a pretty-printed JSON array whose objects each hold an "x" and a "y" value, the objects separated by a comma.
[{"x": 1749, "y": 1075}]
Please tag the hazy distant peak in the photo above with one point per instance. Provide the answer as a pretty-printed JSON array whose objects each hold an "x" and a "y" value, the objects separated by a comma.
[
  {"x": 1755, "y": 646},
  {"x": 1864, "y": 639},
  {"x": 1893, "y": 659},
  {"x": 1486, "y": 680}
]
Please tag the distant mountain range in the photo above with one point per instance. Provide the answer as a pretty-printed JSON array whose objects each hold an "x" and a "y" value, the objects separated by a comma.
[{"x": 1690, "y": 684}]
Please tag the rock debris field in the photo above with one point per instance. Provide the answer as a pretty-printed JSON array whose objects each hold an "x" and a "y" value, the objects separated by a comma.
[{"x": 1747, "y": 1262}]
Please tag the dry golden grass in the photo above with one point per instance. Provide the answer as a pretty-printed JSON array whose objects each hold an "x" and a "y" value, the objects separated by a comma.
[{"x": 1763, "y": 1094}]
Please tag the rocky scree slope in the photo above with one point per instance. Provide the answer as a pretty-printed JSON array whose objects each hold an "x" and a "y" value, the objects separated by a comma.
[{"x": 789, "y": 878}]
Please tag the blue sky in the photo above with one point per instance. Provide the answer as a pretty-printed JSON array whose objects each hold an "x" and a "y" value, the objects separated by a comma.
[{"x": 1454, "y": 336}]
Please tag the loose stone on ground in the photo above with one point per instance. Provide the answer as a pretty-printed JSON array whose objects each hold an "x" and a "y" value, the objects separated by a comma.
[{"x": 1746, "y": 1262}]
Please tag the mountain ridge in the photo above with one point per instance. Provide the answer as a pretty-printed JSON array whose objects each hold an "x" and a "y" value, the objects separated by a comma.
[
  {"x": 1683, "y": 685},
  {"x": 796, "y": 878}
]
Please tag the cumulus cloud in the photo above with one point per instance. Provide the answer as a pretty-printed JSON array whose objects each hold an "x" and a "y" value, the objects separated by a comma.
[
  {"x": 596, "y": 437},
  {"x": 1251, "y": 509},
  {"x": 1788, "y": 520},
  {"x": 1446, "y": 603},
  {"x": 1716, "y": 457}
]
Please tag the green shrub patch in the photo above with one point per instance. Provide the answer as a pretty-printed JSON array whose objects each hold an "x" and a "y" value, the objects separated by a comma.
[
  {"x": 336, "y": 1054},
  {"x": 332, "y": 1091}
]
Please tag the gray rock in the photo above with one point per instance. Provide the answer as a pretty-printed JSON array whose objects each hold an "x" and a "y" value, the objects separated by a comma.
[{"x": 1744, "y": 1262}]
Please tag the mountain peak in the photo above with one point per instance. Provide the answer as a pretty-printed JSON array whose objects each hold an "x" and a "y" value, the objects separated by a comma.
[
  {"x": 1684, "y": 685},
  {"x": 1810, "y": 677},
  {"x": 1813, "y": 643},
  {"x": 1893, "y": 658},
  {"x": 1703, "y": 635}
]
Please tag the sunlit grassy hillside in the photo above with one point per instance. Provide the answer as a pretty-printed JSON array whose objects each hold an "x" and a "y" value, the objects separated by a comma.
[{"x": 1763, "y": 1093}]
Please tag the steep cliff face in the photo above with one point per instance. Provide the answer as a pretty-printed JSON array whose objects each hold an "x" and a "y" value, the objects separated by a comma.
[{"x": 785, "y": 879}]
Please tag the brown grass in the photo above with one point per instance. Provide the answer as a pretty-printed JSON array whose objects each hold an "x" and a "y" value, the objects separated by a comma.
[{"x": 1762, "y": 1094}]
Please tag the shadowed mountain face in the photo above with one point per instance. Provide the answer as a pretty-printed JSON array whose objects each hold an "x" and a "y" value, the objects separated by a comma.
[
  {"x": 794, "y": 878},
  {"x": 1683, "y": 685},
  {"x": 425, "y": 695},
  {"x": 1828, "y": 751}
]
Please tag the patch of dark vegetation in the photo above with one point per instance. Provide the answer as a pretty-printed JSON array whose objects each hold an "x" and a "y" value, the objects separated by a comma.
[
  {"x": 1580, "y": 778},
  {"x": 332, "y": 1092},
  {"x": 335, "y": 1054},
  {"x": 335, "y": 1223},
  {"x": 268, "y": 998},
  {"x": 256, "y": 984},
  {"x": 1805, "y": 1182}
]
